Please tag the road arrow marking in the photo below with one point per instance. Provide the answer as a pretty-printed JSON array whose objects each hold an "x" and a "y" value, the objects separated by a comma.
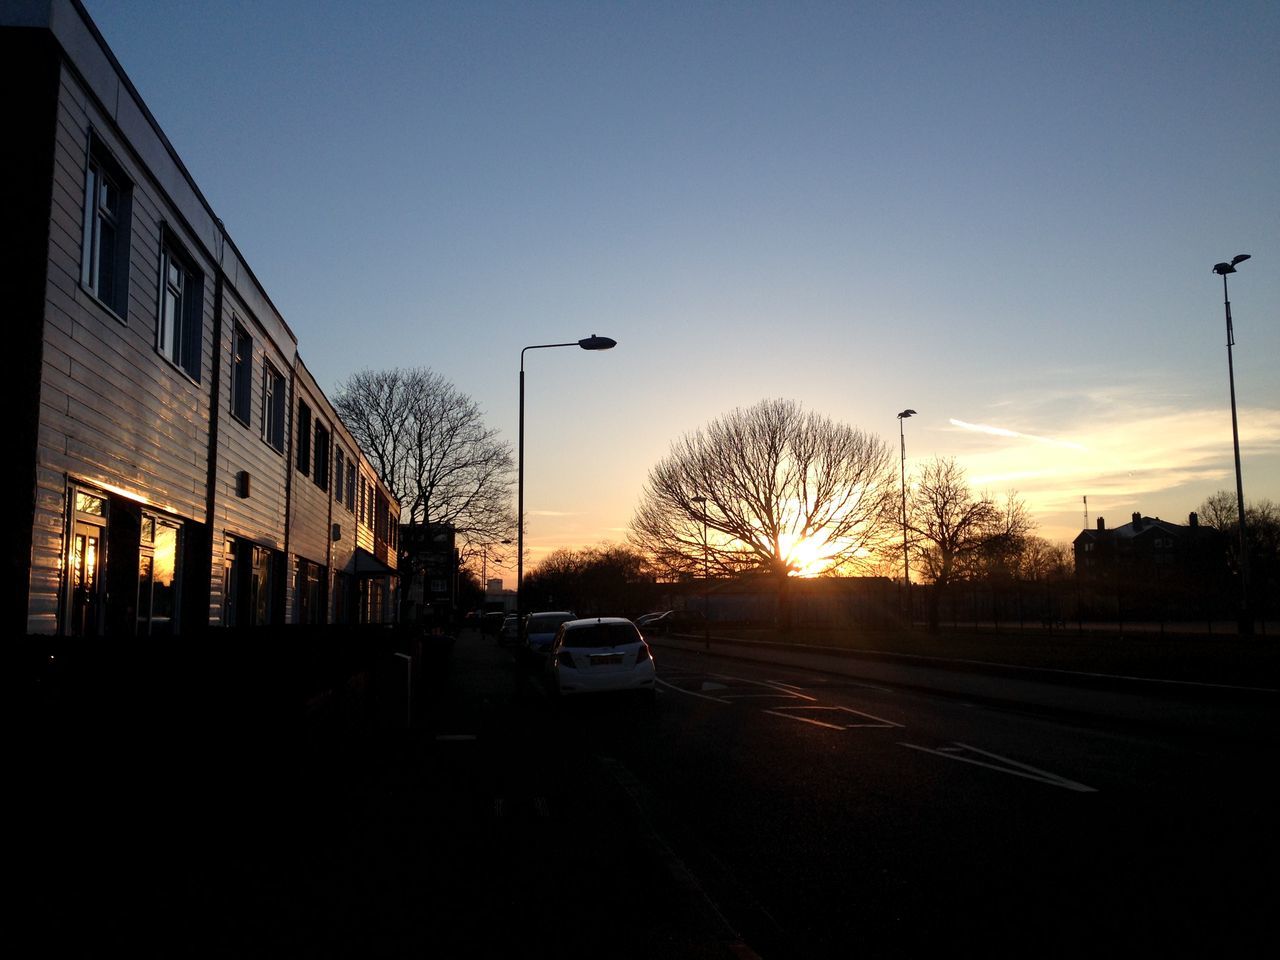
[{"x": 1002, "y": 765}]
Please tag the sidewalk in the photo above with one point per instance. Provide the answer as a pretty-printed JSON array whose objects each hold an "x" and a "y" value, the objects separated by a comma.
[{"x": 488, "y": 828}]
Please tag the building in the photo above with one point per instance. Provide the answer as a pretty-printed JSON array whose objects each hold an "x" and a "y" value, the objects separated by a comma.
[
  {"x": 1152, "y": 567},
  {"x": 429, "y": 568},
  {"x": 177, "y": 465},
  {"x": 1147, "y": 546}
]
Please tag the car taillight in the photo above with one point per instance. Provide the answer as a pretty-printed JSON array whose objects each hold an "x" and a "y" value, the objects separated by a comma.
[
  {"x": 565, "y": 659},
  {"x": 643, "y": 654}
]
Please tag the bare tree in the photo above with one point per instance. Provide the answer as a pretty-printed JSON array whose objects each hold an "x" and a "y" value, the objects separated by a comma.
[
  {"x": 610, "y": 579},
  {"x": 430, "y": 445},
  {"x": 1043, "y": 560},
  {"x": 955, "y": 532},
  {"x": 774, "y": 489}
]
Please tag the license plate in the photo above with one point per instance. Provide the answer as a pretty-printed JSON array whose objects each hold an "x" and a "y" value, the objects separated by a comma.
[{"x": 603, "y": 659}]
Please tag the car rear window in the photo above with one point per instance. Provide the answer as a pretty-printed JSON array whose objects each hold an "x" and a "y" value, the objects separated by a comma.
[
  {"x": 601, "y": 635},
  {"x": 546, "y": 624}
]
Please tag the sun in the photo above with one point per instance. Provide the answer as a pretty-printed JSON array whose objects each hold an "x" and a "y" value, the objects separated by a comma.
[{"x": 803, "y": 554}]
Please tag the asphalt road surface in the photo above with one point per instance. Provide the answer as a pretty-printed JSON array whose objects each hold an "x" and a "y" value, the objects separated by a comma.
[{"x": 825, "y": 816}]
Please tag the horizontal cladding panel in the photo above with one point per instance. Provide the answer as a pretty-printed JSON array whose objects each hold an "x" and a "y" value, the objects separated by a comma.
[
  {"x": 261, "y": 516},
  {"x": 158, "y": 454},
  {"x": 116, "y": 363},
  {"x": 309, "y": 523},
  {"x": 171, "y": 493},
  {"x": 181, "y": 420}
]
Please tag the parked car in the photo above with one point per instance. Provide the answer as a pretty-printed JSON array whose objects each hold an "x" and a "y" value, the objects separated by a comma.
[
  {"x": 509, "y": 633},
  {"x": 599, "y": 655},
  {"x": 491, "y": 622},
  {"x": 540, "y": 629},
  {"x": 646, "y": 618}
]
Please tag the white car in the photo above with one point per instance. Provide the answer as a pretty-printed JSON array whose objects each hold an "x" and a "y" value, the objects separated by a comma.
[{"x": 601, "y": 654}]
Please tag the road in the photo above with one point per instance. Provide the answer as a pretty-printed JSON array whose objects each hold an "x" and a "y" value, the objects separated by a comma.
[{"x": 828, "y": 816}]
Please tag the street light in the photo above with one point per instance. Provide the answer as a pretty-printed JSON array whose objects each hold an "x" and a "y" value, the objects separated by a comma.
[
  {"x": 588, "y": 343},
  {"x": 1246, "y": 621},
  {"x": 706, "y": 577},
  {"x": 906, "y": 569}
]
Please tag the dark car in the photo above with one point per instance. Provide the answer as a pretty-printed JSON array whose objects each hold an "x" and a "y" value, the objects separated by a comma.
[
  {"x": 491, "y": 622},
  {"x": 539, "y": 630}
]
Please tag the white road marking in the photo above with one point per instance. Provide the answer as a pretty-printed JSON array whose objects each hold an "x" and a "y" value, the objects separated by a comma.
[
  {"x": 689, "y": 693},
  {"x": 1003, "y": 765},
  {"x": 792, "y": 713},
  {"x": 781, "y": 688}
]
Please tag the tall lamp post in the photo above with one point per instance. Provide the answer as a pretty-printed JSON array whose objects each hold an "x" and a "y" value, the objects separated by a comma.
[
  {"x": 1245, "y": 627},
  {"x": 906, "y": 569},
  {"x": 706, "y": 577},
  {"x": 588, "y": 343}
]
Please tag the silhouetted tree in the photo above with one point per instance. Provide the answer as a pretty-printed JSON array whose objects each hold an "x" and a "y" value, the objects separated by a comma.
[
  {"x": 1043, "y": 561},
  {"x": 608, "y": 580},
  {"x": 771, "y": 483},
  {"x": 954, "y": 533},
  {"x": 1262, "y": 539},
  {"x": 430, "y": 445}
]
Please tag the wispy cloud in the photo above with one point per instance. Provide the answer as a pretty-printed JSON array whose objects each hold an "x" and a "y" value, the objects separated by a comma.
[
  {"x": 1014, "y": 434},
  {"x": 1131, "y": 452}
]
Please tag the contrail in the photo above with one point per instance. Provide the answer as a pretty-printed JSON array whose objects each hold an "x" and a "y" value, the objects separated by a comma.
[{"x": 1002, "y": 432}]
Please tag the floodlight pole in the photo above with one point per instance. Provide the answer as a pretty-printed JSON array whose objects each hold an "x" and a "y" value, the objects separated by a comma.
[
  {"x": 1245, "y": 627},
  {"x": 906, "y": 569}
]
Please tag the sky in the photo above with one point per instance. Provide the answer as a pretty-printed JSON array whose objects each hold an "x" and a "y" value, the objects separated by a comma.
[{"x": 1003, "y": 216}]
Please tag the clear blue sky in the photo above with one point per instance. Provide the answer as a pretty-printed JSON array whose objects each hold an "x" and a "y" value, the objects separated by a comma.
[{"x": 1001, "y": 215}]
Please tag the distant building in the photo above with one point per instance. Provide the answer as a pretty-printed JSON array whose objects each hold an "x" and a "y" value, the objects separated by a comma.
[
  {"x": 429, "y": 569},
  {"x": 1154, "y": 564},
  {"x": 176, "y": 464},
  {"x": 496, "y": 597}
]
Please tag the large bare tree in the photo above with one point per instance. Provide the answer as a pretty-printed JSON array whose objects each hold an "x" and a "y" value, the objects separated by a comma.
[
  {"x": 777, "y": 488},
  {"x": 430, "y": 445},
  {"x": 956, "y": 533}
]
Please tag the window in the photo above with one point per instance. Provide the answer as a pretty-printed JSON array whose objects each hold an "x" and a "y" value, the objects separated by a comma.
[
  {"x": 351, "y": 485},
  {"x": 304, "y": 438},
  {"x": 339, "y": 472},
  {"x": 158, "y": 560},
  {"x": 104, "y": 254},
  {"x": 308, "y": 592},
  {"x": 241, "y": 374},
  {"x": 273, "y": 407},
  {"x": 321, "y": 473},
  {"x": 181, "y": 325},
  {"x": 252, "y": 577},
  {"x": 262, "y": 586}
]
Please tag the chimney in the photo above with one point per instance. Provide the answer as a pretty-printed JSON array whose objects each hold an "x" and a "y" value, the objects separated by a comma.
[
  {"x": 1137, "y": 523},
  {"x": 1194, "y": 519},
  {"x": 1102, "y": 523}
]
